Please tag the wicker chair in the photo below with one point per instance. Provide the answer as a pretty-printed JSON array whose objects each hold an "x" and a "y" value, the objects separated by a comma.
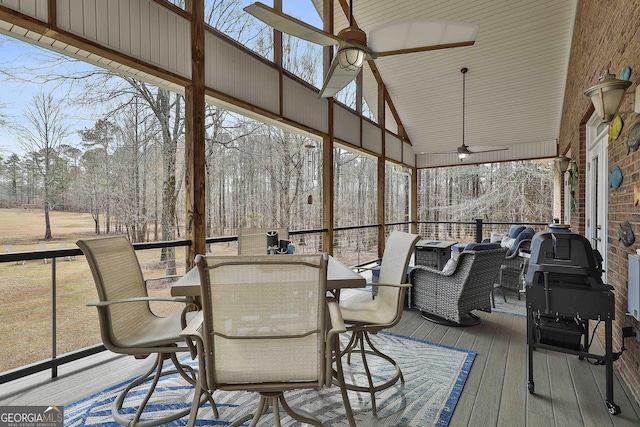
[
  {"x": 264, "y": 328},
  {"x": 383, "y": 312},
  {"x": 253, "y": 241},
  {"x": 449, "y": 297},
  {"x": 128, "y": 326},
  {"x": 510, "y": 278}
]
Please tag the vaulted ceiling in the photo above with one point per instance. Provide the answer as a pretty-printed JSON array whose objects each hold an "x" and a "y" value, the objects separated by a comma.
[{"x": 514, "y": 86}]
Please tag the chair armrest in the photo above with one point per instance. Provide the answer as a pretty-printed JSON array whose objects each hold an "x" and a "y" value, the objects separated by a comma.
[
  {"x": 523, "y": 245},
  {"x": 391, "y": 285},
  {"x": 171, "y": 276},
  {"x": 335, "y": 315},
  {"x": 194, "y": 328},
  {"x": 138, "y": 299},
  {"x": 430, "y": 270},
  {"x": 332, "y": 348},
  {"x": 194, "y": 331}
]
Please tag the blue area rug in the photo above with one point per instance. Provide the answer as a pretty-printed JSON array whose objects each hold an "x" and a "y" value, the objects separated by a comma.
[{"x": 434, "y": 378}]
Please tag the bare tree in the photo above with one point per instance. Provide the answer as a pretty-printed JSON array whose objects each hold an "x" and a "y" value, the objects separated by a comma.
[
  {"x": 99, "y": 138},
  {"x": 43, "y": 138},
  {"x": 134, "y": 169},
  {"x": 497, "y": 192},
  {"x": 91, "y": 184},
  {"x": 13, "y": 172}
]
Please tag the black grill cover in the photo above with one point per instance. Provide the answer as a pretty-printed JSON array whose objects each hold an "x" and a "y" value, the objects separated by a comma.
[{"x": 567, "y": 257}]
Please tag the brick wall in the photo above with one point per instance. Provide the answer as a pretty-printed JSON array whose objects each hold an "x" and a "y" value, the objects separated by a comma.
[{"x": 607, "y": 35}]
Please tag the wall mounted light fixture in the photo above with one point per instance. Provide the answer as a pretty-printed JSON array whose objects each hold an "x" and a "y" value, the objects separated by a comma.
[
  {"x": 607, "y": 95},
  {"x": 562, "y": 164}
]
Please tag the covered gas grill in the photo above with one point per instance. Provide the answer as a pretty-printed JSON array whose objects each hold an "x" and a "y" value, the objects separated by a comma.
[{"x": 564, "y": 291}]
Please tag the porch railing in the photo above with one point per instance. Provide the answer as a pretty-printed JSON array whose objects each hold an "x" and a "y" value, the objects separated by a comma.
[{"x": 355, "y": 245}]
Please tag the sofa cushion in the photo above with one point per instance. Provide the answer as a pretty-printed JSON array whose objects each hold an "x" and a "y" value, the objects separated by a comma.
[{"x": 515, "y": 230}]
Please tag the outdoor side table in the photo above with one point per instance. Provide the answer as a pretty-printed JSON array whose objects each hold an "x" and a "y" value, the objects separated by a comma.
[{"x": 433, "y": 253}]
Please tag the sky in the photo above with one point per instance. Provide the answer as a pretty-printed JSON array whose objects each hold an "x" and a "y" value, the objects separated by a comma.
[
  {"x": 303, "y": 10},
  {"x": 16, "y": 96}
]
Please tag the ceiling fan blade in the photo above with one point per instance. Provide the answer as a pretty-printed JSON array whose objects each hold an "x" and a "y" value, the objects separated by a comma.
[
  {"x": 474, "y": 149},
  {"x": 485, "y": 149},
  {"x": 337, "y": 78},
  {"x": 419, "y": 35},
  {"x": 290, "y": 25},
  {"x": 422, "y": 49}
]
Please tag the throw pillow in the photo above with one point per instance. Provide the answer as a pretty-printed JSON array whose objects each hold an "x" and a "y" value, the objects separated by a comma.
[
  {"x": 496, "y": 237},
  {"x": 507, "y": 242},
  {"x": 450, "y": 266}
]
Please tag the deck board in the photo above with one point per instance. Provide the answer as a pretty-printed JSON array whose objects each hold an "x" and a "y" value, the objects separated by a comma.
[
  {"x": 568, "y": 391},
  {"x": 481, "y": 343},
  {"x": 487, "y": 404},
  {"x": 513, "y": 397},
  {"x": 562, "y": 390}
]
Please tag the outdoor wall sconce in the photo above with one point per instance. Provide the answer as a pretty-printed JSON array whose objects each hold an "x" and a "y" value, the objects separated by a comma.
[
  {"x": 562, "y": 164},
  {"x": 607, "y": 95}
]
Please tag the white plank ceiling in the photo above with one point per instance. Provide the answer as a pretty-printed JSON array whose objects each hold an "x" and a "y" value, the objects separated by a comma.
[{"x": 514, "y": 87}]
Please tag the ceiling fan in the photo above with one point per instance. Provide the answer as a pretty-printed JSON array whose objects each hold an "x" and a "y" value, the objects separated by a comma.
[
  {"x": 464, "y": 151},
  {"x": 413, "y": 35}
]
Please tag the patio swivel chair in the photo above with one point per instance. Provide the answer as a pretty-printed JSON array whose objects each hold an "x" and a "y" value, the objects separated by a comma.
[
  {"x": 385, "y": 311},
  {"x": 253, "y": 241},
  {"x": 263, "y": 329},
  {"x": 510, "y": 278},
  {"x": 128, "y": 326},
  {"x": 449, "y": 296}
]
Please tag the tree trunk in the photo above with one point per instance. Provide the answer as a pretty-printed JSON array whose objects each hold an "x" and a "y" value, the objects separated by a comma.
[{"x": 47, "y": 221}]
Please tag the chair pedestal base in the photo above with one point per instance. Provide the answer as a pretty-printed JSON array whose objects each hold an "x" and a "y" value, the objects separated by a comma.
[
  {"x": 468, "y": 319},
  {"x": 357, "y": 343},
  {"x": 185, "y": 371},
  {"x": 270, "y": 400}
]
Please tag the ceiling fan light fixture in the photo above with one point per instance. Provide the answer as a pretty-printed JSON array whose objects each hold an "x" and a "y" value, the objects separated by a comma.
[
  {"x": 463, "y": 151},
  {"x": 351, "y": 58}
]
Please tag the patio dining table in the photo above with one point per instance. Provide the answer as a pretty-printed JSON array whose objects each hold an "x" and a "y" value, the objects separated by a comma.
[{"x": 339, "y": 276}]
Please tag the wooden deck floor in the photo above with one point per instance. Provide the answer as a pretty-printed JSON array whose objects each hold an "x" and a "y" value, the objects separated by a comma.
[{"x": 569, "y": 391}]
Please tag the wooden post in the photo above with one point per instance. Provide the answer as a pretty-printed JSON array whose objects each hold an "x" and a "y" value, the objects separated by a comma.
[
  {"x": 327, "y": 144},
  {"x": 381, "y": 171},
  {"x": 413, "y": 201},
  {"x": 195, "y": 197}
]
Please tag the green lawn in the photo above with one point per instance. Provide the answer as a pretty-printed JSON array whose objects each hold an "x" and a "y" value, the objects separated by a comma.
[{"x": 26, "y": 289}]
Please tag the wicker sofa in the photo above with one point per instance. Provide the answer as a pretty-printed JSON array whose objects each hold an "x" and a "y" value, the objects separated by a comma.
[{"x": 449, "y": 296}]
